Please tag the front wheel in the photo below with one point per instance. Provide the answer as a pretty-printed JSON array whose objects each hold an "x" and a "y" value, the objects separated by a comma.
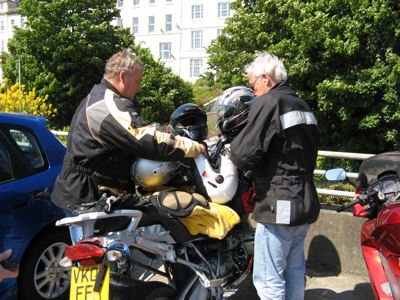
[{"x": 41, "y": 277}]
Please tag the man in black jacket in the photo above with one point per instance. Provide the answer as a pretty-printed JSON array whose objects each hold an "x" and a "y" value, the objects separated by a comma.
[
  {"x": 280, "y": 145},
  {"x": 107, "y": 135}
]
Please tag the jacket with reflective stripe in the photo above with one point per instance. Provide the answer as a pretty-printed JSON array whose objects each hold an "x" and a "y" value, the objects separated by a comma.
[
  {"x": 106, "y": 136},
  {"x": 280, "y": 144}
]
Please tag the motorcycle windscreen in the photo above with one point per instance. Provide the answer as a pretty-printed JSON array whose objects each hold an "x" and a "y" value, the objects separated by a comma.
[{"x": 374, "y": 166}]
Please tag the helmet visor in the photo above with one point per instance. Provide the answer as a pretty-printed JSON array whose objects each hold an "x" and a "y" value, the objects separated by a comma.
[{"x": 223, "y": 105}]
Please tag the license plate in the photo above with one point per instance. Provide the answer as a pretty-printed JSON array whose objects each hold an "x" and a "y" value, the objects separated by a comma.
[{"x": 83, "y": 280}]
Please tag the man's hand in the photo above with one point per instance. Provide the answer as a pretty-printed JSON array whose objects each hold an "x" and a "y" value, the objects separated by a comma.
[
  {"x": 203, "y": 150},
  {"x": 6, "y": 273}
]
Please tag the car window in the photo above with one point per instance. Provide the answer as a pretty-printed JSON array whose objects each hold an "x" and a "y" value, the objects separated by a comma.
[
  {"x": 29, "y": 147},
  {"x": 5, "y": 165}
]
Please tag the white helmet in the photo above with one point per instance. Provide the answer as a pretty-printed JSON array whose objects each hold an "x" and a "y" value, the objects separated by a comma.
[
  {"x": 220, "y": 186},
  {"x": 151, "y": 173}
]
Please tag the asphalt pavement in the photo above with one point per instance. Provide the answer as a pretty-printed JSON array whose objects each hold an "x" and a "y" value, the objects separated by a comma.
[{"x": 319, "y": 287}]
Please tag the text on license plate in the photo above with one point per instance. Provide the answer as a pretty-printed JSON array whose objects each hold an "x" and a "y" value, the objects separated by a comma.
[{"x": 83, "y": 280}]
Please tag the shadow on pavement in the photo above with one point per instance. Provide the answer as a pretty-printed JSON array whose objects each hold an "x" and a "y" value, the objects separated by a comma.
[
  {"x": 361, "y": 291},
  {"x": 327, "y": 261}
]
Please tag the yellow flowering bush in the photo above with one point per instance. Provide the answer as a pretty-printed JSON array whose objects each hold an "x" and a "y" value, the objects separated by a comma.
[{"x": 14, "y": 99}]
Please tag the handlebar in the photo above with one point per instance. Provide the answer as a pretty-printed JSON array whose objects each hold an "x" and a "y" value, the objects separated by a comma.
[
  {"x": 363, "y": 199},
  {"x": 349, "y": 205}
]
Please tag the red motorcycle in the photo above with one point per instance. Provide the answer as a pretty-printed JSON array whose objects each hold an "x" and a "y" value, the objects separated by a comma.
[{"x": 377, "y": 198}]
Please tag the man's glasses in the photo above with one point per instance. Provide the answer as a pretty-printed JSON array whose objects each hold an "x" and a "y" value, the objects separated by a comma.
[{"x": 252, "y": 84}]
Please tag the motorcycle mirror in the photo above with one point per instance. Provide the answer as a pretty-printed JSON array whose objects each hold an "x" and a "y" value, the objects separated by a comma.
[{"x": 335, "y": 174}]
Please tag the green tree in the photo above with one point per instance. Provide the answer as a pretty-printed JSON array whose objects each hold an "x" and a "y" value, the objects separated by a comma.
[
  {"x": 63, "y": 49},
  {"x": 342, "y": 57},
  {"x": 162, "y": 90}
]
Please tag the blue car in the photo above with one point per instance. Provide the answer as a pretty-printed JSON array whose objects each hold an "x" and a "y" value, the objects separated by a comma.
[{"x": 30, "y": 160}]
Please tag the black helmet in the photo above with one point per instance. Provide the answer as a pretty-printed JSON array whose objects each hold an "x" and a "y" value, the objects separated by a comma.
[
  {"x": 235, "y": 117},
  {"x": 228, "y": 98},
  {"x": 191, "y": 121}
]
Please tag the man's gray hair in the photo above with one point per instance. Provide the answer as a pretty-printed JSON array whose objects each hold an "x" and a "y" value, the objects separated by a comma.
[
  {"x": 266, "y": 63},
  {"x": 124, "y": 60}
]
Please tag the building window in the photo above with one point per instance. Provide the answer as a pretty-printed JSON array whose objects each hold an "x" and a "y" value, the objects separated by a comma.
[
  {"x": 165, "y": 50},
  {"x": 120, "y": 23},
  {"x": 152, "y": 1},
  {"x": 195, "y": 67},
  {"x": 1, "y": 25},
  {"x": 3, "y": 49},
  {"x": 223, "y": 9},
  {"x": 22, "y": 22},
  {"x": 120, "y": 3},
  {"x": 136, "y": 2},
  {"x": 197, "y": 11},
  {"x": 168, "y": 22},
  {"x": 168, "y": 1},
  {"x": 151, "y": 23},
  {"x": 135, "y": 25},
  {"x": 219, "y": 32},
  {"x": 197, "y": 39}
]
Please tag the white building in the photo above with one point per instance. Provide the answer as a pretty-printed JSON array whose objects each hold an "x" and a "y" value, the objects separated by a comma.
[
  {"x": 176, "y": 31},
  {"x": 8, "y": 19}
]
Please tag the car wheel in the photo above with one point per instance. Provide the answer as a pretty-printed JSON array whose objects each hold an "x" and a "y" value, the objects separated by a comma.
[{"x": 41, "y": 276}]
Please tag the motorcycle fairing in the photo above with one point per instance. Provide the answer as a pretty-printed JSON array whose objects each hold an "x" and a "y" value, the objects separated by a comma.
[
  {"x": 387, "y": 228},
  {"x": 376, "y": 273},
  {"x": 380, "y": 243}
]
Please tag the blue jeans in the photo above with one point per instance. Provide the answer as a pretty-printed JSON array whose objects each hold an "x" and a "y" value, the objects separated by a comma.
[
  {"x": 279, "y": 264},
  {"x": 76, "y": 232}
]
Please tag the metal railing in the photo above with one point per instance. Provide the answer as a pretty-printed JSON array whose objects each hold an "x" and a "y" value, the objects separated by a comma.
[
  {"x": 322, "y": 153},
  {"x": 345, "y": 155},
  {"x": 62, "y": 133}
]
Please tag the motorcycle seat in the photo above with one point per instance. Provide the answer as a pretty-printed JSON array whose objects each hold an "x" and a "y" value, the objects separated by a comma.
[{"x": 177, "y": 230}]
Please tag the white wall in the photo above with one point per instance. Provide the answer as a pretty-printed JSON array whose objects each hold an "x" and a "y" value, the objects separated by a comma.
[{"x": 180, "y": 36}]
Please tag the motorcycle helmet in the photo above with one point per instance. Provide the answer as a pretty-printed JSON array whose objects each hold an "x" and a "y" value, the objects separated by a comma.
[
  {"x": 151, "y": 173},
  {"x": 228, "y": 98},
  {"x": 189, "y": 120},
  {"x": 219, "y": 184},
  {"x": 237, "y": 102}
]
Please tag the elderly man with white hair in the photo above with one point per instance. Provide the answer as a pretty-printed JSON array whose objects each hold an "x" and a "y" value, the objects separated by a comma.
[{"x": 280, "y": 145}]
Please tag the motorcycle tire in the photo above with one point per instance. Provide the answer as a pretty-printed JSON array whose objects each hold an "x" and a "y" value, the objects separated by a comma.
[
  {"x": 162, "y": 292},
  {"x": 39, "y": 269}
]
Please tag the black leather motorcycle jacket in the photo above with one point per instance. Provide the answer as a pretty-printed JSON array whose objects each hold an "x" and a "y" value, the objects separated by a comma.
[
  {"x": 105, "y": 137},
  {"x": 280, "y": 145}
]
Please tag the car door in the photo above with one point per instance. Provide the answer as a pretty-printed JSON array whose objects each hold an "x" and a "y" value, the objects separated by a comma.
[
  {"x": 24, "y": 200},
  {"x": 29, "y": 163}
]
